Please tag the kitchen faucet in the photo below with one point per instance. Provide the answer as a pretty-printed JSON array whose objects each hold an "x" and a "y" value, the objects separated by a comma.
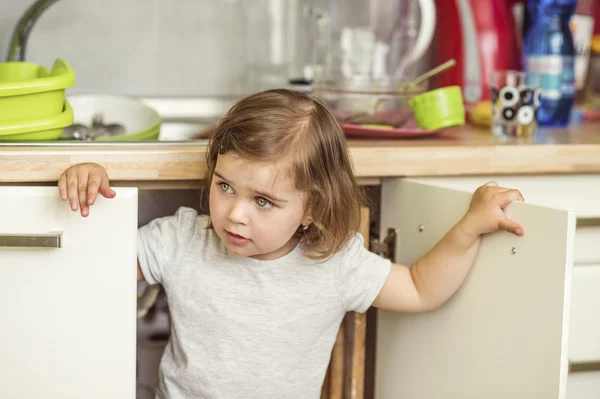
[{"x": 20, "y": 35}]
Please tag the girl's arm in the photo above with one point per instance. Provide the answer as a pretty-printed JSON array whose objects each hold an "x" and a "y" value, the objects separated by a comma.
[{"x": 435, "y": 277}]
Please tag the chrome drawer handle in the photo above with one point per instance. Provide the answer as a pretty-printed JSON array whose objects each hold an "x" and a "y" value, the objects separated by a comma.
[{"x": 31, "y": 240}]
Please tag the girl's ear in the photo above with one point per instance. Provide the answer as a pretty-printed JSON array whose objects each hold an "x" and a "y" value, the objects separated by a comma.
[{"x": 307, "y": 221}]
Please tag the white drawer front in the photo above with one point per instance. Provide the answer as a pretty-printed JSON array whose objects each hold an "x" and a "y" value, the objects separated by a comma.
[
  {"x": 583, "y": 385},
  {"x": 584, "y": 340},
  {"x": 579, "y": 193},
  {"x": 587, "y": 244},
  {"x": 67, "y": 320}
]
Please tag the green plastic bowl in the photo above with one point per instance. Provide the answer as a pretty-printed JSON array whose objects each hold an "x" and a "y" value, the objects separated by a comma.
[
  {"x": 41, "y": 129},
  {"x": 29, "y": 91},
  {"x": 440, "y": 108},
  {"x": 146, "y": 135}
]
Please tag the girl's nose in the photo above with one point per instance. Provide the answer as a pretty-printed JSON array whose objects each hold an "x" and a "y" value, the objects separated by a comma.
[{"x": 237, "y": 213}]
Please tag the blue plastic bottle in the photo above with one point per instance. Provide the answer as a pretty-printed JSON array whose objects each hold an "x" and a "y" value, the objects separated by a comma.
[{"x": 550, "y": 52}]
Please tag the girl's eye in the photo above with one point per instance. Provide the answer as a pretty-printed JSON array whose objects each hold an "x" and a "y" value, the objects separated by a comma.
[
  {"x": 263, "y": 203},
  {"x": 226, "y": 188}
]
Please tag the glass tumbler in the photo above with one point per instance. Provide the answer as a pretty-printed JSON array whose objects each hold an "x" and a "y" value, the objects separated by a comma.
[{"x": 515, "y": 101}]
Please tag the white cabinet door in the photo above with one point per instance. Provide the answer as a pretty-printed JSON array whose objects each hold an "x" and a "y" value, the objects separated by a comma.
[
  {"x": 504, "y": 334},
  {"x": 68, "y": 313}
]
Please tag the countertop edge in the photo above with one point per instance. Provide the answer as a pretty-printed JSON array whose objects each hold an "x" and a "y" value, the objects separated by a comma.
[{"x": 183, "y": 162}]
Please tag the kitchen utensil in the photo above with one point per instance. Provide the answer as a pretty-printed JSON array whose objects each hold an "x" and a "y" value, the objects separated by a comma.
[
  {"x": 364, "y": 101},
  {"x": 41, "y": 129},
  {"x": 97, "y": 129},
  {"x": 280, "y": 42},
  {"x": 372, "y": 44},
  {"x": 29, "y": 91},
  {"x": 438, "y": 109},
  {"x": 108, "y": 129},
  {"x": 76, "y": 131},
  {"x": 515, "y": 101},
  {"x": 482, "y": 36},
  {"x": 360, "y": 117},
  {"x": 104, "y": 117},
  {"x": 427, "y": 75},
  {"x": 367, "y": 42},
  {"x": 374, "y": 40}
]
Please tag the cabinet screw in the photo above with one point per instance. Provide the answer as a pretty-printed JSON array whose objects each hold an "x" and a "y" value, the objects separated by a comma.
[
  {"x": 421, "y": 227},
  {"x": 513, "y": 250}
]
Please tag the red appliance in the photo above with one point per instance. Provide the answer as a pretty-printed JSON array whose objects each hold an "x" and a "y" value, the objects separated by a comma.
[
  {"x": 596, "y": 15},
  {"x": 481, "y": 35}
]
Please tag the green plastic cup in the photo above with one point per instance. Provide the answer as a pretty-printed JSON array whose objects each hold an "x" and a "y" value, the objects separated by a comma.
[{"x": 439, "y": 108}]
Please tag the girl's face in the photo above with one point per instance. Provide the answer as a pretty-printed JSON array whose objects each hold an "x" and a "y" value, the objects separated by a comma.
[{"x": 254, "y": 207}]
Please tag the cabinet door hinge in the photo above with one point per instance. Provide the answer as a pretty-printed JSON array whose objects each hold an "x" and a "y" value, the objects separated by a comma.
[{"x": 387, "y": 248}]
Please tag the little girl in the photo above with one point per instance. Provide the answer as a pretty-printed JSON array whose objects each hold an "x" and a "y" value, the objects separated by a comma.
[{"x": 258, "y": 289}]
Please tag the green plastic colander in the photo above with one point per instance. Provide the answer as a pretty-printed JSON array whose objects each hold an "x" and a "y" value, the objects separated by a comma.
[
  {"x": 29, "y": 91},
  {"x": 40, "y": 129}
]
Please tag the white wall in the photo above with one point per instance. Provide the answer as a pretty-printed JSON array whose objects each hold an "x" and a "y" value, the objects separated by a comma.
[
  {"x": 159, "y": 47},
  {"x": 139, "y": 47}
]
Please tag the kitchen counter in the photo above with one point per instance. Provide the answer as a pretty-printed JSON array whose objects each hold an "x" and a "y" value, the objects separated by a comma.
[{"x": 462, "y": 151}]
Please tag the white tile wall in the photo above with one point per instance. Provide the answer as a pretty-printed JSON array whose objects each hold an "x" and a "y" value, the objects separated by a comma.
[{"x": 139, "y": 47}]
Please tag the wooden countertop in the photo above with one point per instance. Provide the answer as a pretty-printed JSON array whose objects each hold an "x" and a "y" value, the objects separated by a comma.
[
  {"x": 462, "y": 151},
  {"x": 471, "y": 151}
]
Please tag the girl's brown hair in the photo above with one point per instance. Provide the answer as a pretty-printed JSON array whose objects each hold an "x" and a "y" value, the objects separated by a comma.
[{"x": 278, "y": 124}]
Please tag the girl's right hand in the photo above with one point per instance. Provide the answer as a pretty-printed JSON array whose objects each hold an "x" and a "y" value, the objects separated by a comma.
[{"x": 81, "y": 183}]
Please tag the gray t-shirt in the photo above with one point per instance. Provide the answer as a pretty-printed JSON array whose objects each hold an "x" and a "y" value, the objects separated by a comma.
[{"x": 246, "y": 328}]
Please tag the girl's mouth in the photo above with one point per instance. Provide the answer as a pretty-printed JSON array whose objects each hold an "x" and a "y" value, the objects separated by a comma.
[{"x": 236, "y": 239}]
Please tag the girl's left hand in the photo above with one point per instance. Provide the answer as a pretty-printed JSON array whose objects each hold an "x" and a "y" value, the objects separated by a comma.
[{"x": 485, "y": 213}]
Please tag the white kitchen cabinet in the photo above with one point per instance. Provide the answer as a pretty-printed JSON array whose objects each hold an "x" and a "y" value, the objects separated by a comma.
[
  {"x": 585, "y": 315},
  {"x": 581, "y": 194},
  {"x": 587, "y": 243},
  {"x": 68, "y": 295},
  {"x": 504, "y": 334},
  {"x": 584, "y": 385}
]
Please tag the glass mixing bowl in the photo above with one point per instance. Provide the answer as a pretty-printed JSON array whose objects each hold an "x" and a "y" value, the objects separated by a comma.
[{"x": 368, "y": 101}]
